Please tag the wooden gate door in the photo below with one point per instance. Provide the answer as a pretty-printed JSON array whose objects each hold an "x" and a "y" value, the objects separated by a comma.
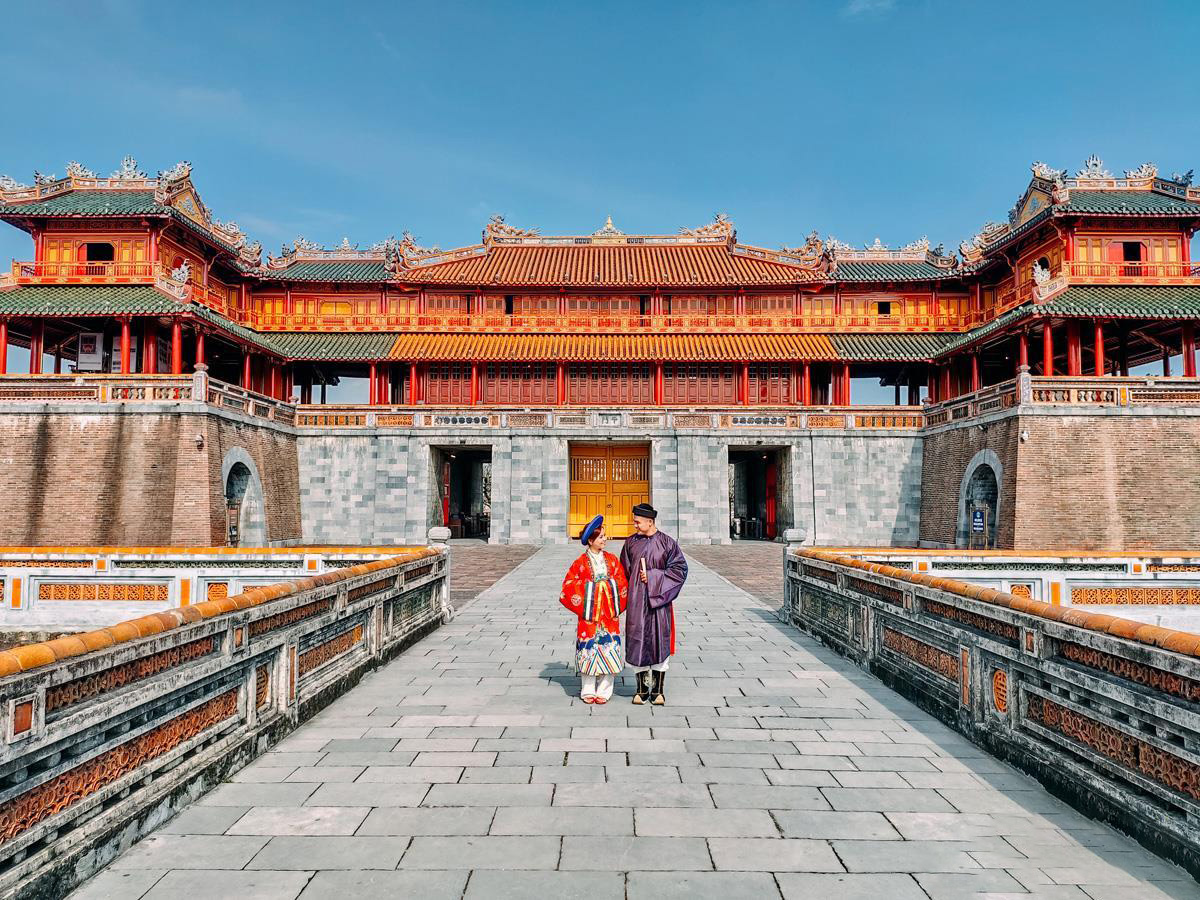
[{"x": 608, "y": 480}]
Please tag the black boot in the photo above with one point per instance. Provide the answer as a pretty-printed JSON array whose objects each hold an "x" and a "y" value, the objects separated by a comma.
[
  {"x": 642, "y": 694},
  {"x": 660, "y": 698}
]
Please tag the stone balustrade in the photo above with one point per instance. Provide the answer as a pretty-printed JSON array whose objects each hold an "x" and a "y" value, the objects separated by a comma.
[
  {"x": 106, "y": 734},
  {"x": 1103, "y": 710}
]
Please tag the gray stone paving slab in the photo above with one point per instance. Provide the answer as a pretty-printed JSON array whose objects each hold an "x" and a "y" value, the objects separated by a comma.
[
  {"x": 215, "y": 884},
  {"x": 701, "y": 886},
  {"x": 851, "y": 887},
  {"x": 498, "y": 885},
  {"x": 773, "y": 855},
  {"x": 330, "y": 852},
  {"x": 634, "y": 854},
  {"x": 469, "y": 763},
  {"x": 377, "y": 885},
  {"x": 483, "y": 852},
  {"x": 191, "y": 851}
]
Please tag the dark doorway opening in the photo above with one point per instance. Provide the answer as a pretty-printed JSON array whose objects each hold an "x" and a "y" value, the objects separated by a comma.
[
  {"x": 464, "y": 490},
  {"x": 756, "y": 479},
  {"x": 982, "y": 495}
]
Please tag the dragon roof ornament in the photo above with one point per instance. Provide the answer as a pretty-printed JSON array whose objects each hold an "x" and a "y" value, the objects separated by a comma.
[
  {"x": 809, "y": 255},
  {"x": 498, "y": 229},
  {"x": 720, "y": 227},
  {"x": 1093, "y": 169}
]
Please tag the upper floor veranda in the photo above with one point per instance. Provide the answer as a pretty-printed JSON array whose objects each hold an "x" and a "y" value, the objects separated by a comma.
[{"x": 129, "y": 228}]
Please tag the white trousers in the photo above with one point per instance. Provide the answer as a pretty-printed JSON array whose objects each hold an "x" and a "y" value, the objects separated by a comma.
[
  {"x": 596, "y": 686},
  {"x": 661, "y": 667}
]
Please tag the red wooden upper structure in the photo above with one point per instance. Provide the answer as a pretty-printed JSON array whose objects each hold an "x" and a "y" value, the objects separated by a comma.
[{"x": 132, "y": 273}]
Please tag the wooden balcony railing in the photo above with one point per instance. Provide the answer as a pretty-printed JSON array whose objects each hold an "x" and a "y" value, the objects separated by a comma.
[
  {"x": 83, "y": 272},
  {"x": 1118, "y": 272}
]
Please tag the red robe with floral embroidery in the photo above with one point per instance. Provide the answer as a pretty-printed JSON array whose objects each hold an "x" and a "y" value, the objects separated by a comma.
[
  {"x": 598, "y": 601},
  {"x": 592, "y": 600}
]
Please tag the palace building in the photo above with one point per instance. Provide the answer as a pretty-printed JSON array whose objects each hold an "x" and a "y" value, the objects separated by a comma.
[{"x": 518, "y": 385}]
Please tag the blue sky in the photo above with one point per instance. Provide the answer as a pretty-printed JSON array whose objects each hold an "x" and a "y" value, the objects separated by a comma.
[
  {"x": 857, "y": 118},
  {"x": 896, "y": 118}
]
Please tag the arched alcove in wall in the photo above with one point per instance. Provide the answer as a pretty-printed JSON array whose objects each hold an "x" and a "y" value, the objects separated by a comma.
[
  {"x": 244, "y": 503},
  {"x": 979, "y": 491}
]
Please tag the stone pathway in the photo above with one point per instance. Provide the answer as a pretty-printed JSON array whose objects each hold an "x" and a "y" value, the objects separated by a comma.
[
  {"x": 468, "y": 768},
  {"x": 476, "y": 565},
  {"x": 754, "y": 566}
]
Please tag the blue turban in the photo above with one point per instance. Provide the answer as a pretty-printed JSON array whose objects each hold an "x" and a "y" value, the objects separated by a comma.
[{"x": 590, "y": 529}]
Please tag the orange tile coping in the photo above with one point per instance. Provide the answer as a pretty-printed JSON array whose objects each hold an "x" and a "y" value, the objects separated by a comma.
[
  {"x": 30, "y": 656},
  {"x": 197, "y": 551},
  {"x": 1051, "y": 553},
  {"x": 1183, "y": 642}
]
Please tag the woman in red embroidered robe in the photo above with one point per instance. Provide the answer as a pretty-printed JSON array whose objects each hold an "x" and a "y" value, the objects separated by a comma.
[{"x": 595, "y": 590}]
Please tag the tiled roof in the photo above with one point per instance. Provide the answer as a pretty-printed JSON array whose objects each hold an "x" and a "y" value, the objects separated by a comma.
[
  {"x": 89, "y": 203},
  {"x": 612, "y": 348},
  {"x": 92, "y": 300},
  {"x": 338, "y": 270},
  {"x": 303, "y": 345},
  {"x": 1105, "y": 301},
  {"x": 601, "y": 265},
  {"x": 892, "y": 271},
  {"x": 888, "y": 347},
  {"x": 1128, "y": 203},
  {"x": 263, "y": 341}
]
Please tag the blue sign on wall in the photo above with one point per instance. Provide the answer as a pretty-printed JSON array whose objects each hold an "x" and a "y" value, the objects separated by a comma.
[{"x": 977, "y": 521}]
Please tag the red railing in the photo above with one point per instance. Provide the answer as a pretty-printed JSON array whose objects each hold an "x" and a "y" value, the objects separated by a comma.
[
  {"x": 82, "y": 272},
  {"x": 1116, "y": 272}
]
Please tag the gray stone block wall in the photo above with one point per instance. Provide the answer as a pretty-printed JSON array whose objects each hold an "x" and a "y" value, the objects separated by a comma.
[{"x": 840, "y": 487}]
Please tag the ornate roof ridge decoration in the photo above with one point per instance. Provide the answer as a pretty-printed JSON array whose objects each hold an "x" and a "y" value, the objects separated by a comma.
[
  {"x": 812, "y": 255},
  {"x": 609, "y": 230},
  {"x": 498, "y": 231},
  {"x": 721, "y": 227},
  {"x": 918, "y": 251}
]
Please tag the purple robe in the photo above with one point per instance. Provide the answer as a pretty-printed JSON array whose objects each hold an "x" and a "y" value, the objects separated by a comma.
[{"x": 649, "y": 617}]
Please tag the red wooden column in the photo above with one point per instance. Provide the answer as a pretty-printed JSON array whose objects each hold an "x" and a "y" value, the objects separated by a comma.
[
  {"x": 560, "y": 379},
  {"x": 150, "y": 348},
  {"x": 37, "y": 337},
  {"x": 914, "y": 392},
  {"x": 806, "y": 384},
  {"x": 931, "y": 384},
  {"x": 125, "y": 338},
  {"x": 976, "y": 382},
  {"x": 373, "y": 384},
  {"x": 1166, "y": 363},
  {"x": 1047, "y": 349},
  {"x": 247, "y": 371},
  {"x": 1074, "y": 349},
  {"x": 846, "y": 398},
  {"x": 414, "y": 383},
  {"x": 474, "y": 384},
  {"x": 1099, "y": 348},
  {"x": 1189, "y": 350},
  {"x": 1022, "y": 350},
  {"x": 176, "y": 347},
  {"x": 658, "y": 384},
  {"x": 743, "y": 393},
  {"x": 287, "y": 384},
  {"x": 3, "y": 346},
  {"x": 306, "y": 390},
  {"x": 200, "y": 348},
  {"x": 944, "y": 393}
]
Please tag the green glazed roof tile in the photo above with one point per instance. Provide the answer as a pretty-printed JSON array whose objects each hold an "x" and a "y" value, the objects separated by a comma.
[
  {"x": 334, "y": 270},
  {"x": 888, "y": 347},
  {"x": 89, "y": 203},
  {"x": 892, "y": 271},
  {"x": 303, "y": 345},
  {"x": 87, "y": 300},
  {"x": 1128, "y": 203}
]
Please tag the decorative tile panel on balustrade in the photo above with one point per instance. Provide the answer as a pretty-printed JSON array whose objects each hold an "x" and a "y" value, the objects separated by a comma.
[
  {"x": 106, "y": 734},
  {"x": 1103, "y": 710}
]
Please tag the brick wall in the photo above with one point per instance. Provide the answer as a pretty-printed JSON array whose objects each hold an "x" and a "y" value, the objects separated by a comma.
[
  {"x": 1117, "y": 481},
  {"x": 944, "y": 462},
  {"x": 117, "y": 478},
  {"x": 1108, "y": 480}
]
